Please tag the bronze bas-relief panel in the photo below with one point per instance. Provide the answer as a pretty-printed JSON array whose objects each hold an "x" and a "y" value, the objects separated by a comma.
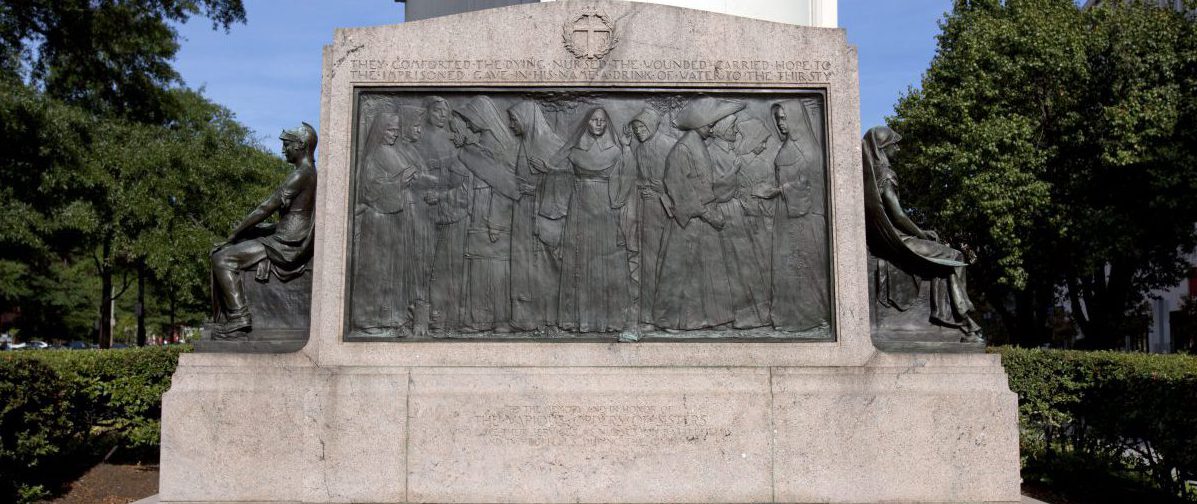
[{"x": 589, "y": 215}]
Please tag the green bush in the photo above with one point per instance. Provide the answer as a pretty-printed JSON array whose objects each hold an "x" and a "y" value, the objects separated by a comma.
[
  {"x": 1133, "y": 416},
  {"x": 63, "y": 409},
  {"x": 35, "y": 426}
]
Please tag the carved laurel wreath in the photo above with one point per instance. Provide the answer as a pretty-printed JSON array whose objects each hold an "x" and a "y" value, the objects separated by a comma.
[{"x": 567, "y": 34}]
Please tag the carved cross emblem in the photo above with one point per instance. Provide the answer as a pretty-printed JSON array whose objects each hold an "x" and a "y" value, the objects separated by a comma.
[
  {"x": 590, "y": 34},
  {"x": 595, "y": 31}
]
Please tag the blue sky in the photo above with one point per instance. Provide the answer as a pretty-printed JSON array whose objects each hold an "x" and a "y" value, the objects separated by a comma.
[{"x": 267, "y": 71}]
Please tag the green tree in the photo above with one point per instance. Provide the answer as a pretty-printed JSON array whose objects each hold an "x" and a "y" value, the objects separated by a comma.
[
  {"x": 96, "y": 201},
  {"x": 39, "y": 224},
  {"x": 1061, "y": 143},
  {"x": 111, "y": 57},
  {"x": 115, "y": 163}
]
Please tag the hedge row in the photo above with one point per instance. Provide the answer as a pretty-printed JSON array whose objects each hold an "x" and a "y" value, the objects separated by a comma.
[
  {"x": 1124, "y": 414},
  {"x": 63, "y": 410},
  {"x": 1120, "y": 412}
]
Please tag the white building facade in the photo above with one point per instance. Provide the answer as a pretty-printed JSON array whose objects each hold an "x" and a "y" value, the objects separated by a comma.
[{"x": 821, "y": 13}]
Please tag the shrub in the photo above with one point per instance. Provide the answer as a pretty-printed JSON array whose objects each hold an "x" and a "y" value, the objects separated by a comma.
[
  {"x": 1126, "y": 413},
  {"x": 35, "y": 427},
  {"x": 118, "y": 392},
  {"x": 64, "y": 409}
]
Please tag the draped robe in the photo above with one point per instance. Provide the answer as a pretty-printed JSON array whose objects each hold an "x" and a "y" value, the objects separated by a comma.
[
  {"x": 693, "y": 291},
  {"x": 749, "y": 283},
  {"x": 596, "y": 290},
  {"x": 451, "y": 218},
  {"x": 800, "y": 284},
  {"x": 654, "y": 217},
  {"x": 535, "y": 269},
  {"x": 379, "y": 296}
]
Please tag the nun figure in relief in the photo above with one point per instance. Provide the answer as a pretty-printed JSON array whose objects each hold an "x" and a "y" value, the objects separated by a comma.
[
  {"x": 488, "y": 151},
  {"x": 749, "y": 281},
  {"x": 801, "y": 287},
  {"x": 655, "y": 207},
  {"x": 418, "y": 231},
  {"x": 535, "y": 230},
  {"x": 755, "y": 151},
  {"x": 450, "y": 193},
  {"x": 907, "y": 253},
  {"x": 596, "y": 284},
  {"x": 378, "y": 296},
  {"x": 693, "y": 289}
]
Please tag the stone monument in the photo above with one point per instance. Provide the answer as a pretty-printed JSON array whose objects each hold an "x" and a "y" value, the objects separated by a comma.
[{"x": 590, "y": 251}]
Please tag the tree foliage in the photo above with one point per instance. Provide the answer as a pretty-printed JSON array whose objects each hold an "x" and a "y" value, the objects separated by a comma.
[
  {"x": 111, "y": 57},
  {"x": 95, "y": 196},
  {"x": 1061, "y": 143},
  {"x": 111, "y": 169}
]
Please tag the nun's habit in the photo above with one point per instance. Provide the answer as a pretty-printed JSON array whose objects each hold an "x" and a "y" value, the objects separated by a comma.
[
  {"x": 693, "y": 291},
  {"x": 801, "y": 289},
  {"x": 596, "y": 282},
  {"x": 535, "y": 271},
  {"x": 654, "y": 204},
  {"x": 489, "y": 154}
]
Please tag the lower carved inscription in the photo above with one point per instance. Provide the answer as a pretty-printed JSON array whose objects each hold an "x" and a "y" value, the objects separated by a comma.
[
  {"x": 544, "y": 214},
  {"x": 601, "y": 425}
]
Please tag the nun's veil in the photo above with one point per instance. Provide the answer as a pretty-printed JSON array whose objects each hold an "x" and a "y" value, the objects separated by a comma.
[
  {"x": 482, "y": 113},
  {"x": 705, "y": 111},
  {"x": 411, "y": 116},
  {"x": 802, "y": 129},
  {"x": 378, "y": 127},
  {"x": 582, "y": 130},
  {"x": 539, "y": 139},
  {"x": 650, "y": 118},
  {"x": 875, "y": 142},
  {"x": 752, "y": 132}
]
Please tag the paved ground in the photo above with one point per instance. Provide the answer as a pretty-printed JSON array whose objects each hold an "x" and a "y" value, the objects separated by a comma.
[
  {"x": 112, "y": 484},
  {"x": 125, "y": 484},
  {"x": 153, "y": 499}
]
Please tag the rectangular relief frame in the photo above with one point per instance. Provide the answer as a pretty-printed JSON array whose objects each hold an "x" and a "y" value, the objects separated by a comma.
[{"x": 528, "y": 214}]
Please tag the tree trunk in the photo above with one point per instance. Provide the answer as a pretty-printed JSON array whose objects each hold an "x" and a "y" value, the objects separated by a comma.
[
  {"x": 141, "y": 303},
  {"x": 1009, "y": 319},
  {"x": 1106, "y": 295},
  {"x": 1079, "y": 313},
  {"x": 1043, "y": 298},
  {"x": 1024, "y": 305},
  {"x": 106, "y": 295},
  {"x": 170, "y": 331}
]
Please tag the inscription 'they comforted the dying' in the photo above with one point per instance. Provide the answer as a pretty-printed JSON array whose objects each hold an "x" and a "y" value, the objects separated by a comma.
[{"x": 575, "y": 70}]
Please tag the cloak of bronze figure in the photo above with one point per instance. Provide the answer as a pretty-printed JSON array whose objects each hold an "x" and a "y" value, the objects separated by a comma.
[
  {"x": 538, "y": 221},
  {"x": 654, "y": 206},
  {"x": 451, "y": 212},
  {"x": 756, "y": 149},
  {"x": 692, "y": 281},
  {"x": 281, "y": 249},
  {"x": 749, "y": 277},
  {"x": 596, "y": 280},
  {"x": 907, "y": 255},
  {"x": 801, "y": 284},
  {"x": 378, "y": 218},
  {"x": 489, "y": 152}
]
